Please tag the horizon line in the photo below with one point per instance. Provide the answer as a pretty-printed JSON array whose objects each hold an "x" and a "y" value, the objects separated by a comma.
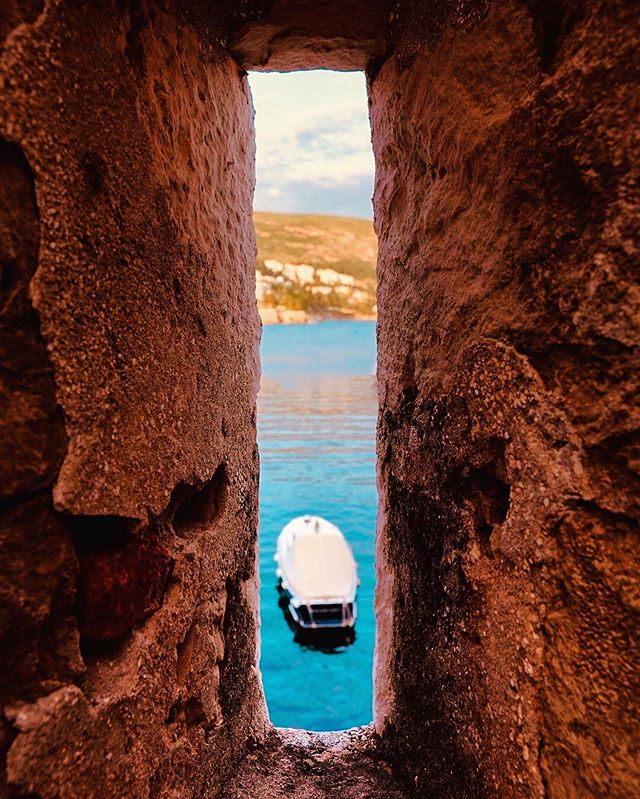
[{"x": 313, "y": 213}]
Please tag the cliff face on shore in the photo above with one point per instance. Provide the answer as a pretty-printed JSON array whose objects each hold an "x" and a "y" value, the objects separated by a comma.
[{"x": 314, "y": 267}]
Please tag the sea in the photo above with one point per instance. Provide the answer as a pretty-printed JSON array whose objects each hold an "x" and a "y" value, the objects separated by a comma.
[{"x": 316, "y": 433}]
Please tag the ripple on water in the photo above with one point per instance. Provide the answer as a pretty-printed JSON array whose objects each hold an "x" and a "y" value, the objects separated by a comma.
[{"x": 316, "y": 431}]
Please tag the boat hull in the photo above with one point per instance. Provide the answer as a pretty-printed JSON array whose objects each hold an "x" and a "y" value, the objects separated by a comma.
[
  {"x": 324, "y": 638},
  {"x": 317, "y": 577}
]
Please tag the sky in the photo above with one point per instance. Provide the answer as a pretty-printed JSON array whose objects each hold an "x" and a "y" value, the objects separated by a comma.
[{"x": 313, "y": 143}]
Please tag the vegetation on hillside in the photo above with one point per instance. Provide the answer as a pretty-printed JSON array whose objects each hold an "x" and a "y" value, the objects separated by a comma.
[{"x": 323, "y": 266}]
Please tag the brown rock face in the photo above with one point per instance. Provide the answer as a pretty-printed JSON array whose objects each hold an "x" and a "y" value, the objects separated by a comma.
[
  {"x": 286, "y": 35},
  {"x": 38, "y": 568},
  {"x": 125, "y": 219},
  {"x": 507, "y": 212},
  {"x": 122, "y": 577},
  {"x": 30, "y": 425},
  {"x": 508, "y": 443},
  {"x": 295, "y": 764}
]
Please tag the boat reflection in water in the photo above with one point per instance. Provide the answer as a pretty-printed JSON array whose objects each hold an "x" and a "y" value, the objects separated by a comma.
[{"x": 317, "y": 583}]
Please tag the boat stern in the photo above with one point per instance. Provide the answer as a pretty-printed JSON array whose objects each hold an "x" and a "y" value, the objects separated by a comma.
[{"x": 323, "y": 615}]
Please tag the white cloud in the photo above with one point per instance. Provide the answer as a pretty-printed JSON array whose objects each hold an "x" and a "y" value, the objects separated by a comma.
[{"x": 313, "y": 142}]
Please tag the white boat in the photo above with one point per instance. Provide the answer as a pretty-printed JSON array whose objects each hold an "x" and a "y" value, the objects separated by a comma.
[{"x": 317, "y": 573}]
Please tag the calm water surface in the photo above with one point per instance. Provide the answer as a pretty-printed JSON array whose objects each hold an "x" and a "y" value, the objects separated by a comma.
[{"x": 316, "y": 431}]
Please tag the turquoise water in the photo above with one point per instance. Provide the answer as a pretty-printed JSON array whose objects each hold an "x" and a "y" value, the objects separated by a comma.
[{"x": 316, "y": 431}]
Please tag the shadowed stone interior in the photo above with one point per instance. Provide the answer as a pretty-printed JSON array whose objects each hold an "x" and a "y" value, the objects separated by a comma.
[{"x": 507, "y": 214}]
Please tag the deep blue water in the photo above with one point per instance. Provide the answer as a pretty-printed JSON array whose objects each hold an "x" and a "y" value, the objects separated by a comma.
[{"x": 316, "y": 431}]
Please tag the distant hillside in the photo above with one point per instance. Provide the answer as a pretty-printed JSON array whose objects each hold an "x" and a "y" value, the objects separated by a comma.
[{"x": 311, "y": 266}]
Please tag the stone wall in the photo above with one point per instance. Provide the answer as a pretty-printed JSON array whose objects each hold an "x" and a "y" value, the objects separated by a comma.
[
  {"x": 285, "y": 35},
  {"x": 128, "y": 345},
  {"x": 506, "y": 210}
]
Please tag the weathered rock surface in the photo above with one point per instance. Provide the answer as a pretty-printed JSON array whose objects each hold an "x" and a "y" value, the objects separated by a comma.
[
  {"x": 294, "y": 764},
  {"x": 507, "y": 214},
  {"x": 128, "y": 346},
  {"x": 286, "y": 35},
  {"x": 508, "y": 333},
  {"x": 39, "y": 643}
]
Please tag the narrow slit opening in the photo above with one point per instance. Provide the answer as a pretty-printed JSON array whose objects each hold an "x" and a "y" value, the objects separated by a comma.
[{"x": 316, "y": 293}]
